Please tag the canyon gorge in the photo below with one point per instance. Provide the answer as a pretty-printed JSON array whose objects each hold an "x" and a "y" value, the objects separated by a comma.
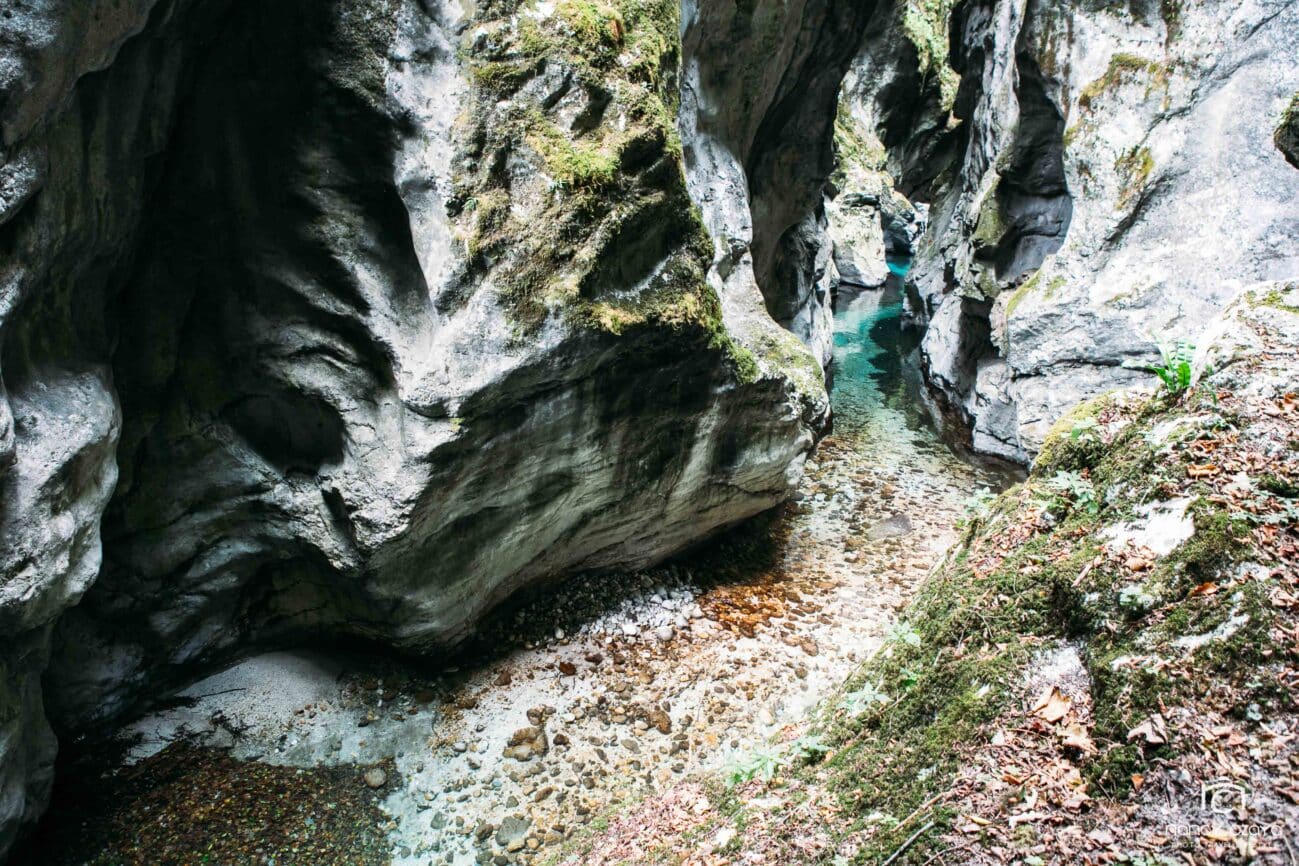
[{"x": 359, "y": 326}]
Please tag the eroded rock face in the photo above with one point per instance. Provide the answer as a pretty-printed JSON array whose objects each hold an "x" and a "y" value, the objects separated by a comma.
[
  {"x": 759, "y": 88},
  {"x": 1107, "y": 179},
  {"x": 352, "y": 334}
]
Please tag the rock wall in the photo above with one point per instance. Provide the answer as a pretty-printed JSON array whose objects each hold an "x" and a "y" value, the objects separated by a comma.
[
  {"x": 758, "y": 95},
  {"x": 71, "y": 190},
  {"x": 1106, "y": 179},
  {"x": 345, "y": 320}
]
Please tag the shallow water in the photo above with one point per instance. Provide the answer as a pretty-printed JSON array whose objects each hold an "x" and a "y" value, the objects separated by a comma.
[
  {"x": 875, "y": 381},
  {"x": 637, "y": 681}
]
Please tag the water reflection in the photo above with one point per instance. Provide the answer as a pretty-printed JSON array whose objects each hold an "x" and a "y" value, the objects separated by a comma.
[{"x": 876, "y": 388}]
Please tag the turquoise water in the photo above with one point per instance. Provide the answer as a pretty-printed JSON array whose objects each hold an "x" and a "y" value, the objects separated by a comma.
[
  {"x": 875, "y": 381},
  {"x": 881, "y": 406},
  {"x": 898, "y": 267}
]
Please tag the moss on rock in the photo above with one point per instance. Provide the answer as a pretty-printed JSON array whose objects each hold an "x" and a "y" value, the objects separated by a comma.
[
  {"x": 581, "y": 96},
  {"x": 1286, "y": 135},
  {"x": 1075, "y": 442},
  {"x": 1124, "y": 69},
  {"x": 1035, "y": 283},
  {"x": 857, "y": 151},
  {"x": 1134, "y": 168},
  {"x": 1038, "y": 569},
  {"x": 991, "y": 225},
  {"x": 925, "y": 23}
]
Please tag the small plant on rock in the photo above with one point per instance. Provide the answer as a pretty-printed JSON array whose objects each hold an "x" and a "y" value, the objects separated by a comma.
[
  {"x": 1174, "y": 369},
  {"x": 1135, "y": 599},
  {"x": 1085, "y": 430},
  {"x": 977, "y": 507},
  {"x": 863, "y": 699},
  {"x": 903, "y": 633},
  {"x": 808, "y": 749}
]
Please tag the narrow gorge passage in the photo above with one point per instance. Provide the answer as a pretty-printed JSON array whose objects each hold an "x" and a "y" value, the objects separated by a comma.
[{"x": 574, "y": 704}]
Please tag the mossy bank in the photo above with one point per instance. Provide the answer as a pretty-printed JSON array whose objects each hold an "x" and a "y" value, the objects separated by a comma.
[{"x": 1067, "y": 662}]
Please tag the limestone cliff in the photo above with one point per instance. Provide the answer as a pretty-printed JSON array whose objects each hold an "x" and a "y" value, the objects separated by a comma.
[
  {"x": 1101, "y": 177},
  {"x": 326, "y": 320}
]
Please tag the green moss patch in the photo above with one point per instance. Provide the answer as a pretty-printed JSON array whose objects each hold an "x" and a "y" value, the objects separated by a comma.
[
  {"x": 1286, "y": 135},
  {"x": 925, "y": 23},
  {"x": 1076, "y": 441},
  {"x": 1035, "y": 283},
  {"x": 1134, "y": 168},
  {"x": 583, "y": 97},
  {"x": 991, "y": 225},
  {"x": 1125, "y": 69},
  {"x": 857, "y": 151},
  {"x": 1037, "y": 569}
]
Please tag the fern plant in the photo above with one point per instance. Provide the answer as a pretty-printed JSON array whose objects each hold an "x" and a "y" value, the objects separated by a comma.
[{"x": 1174, "y": 369}]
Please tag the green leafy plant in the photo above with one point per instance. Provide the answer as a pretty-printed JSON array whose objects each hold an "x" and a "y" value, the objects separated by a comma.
[
  {"x": 1069, "y": 490},
  {"x": 1135, "y": 599},
  {"x": 904, "y": 633},
  {"x": 976, "y": 507},
  {"x": 808, "y": 749},
  {"x": 977, "y": 503},
  {"x": 761, "y": 764},
  {"x": 1085, "y": 430},
  {"x": 765, "y": 763},
  {"x": 863, "y": 699},
  {"x": 1174, "y": 368}
]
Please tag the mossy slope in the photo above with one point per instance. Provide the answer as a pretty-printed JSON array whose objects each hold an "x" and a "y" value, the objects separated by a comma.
[{"x": 1202, "y": 631}]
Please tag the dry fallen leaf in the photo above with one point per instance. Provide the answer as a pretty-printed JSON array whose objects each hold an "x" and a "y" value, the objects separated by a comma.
[
  {"x": 1101, "y": 836},
  {"x": 1026, "y": 818},
  {"x": 1207, "y": 588},
  {"x": 1076, "y": 736},
  {"x": 1151, "y": 731},
  {"x": 1052, "y": 705},
  {"x": 1202, "y": 470},
  {"x": 1137, "y": 781}
]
